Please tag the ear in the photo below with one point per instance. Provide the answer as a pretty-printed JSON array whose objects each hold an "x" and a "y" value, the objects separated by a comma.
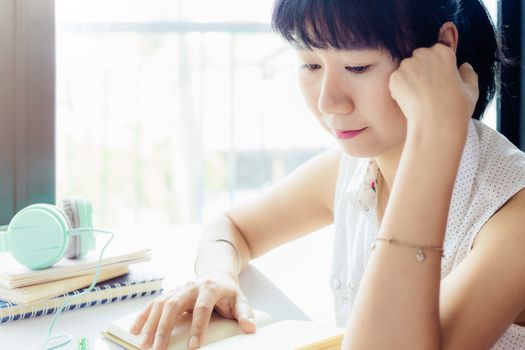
[{"x": 448, "y": 35}]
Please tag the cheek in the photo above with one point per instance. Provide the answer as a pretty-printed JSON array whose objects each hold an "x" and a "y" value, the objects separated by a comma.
[
  {"x": 388, "y": 120},
  {"x": 381, "y": 100},
  {"x": 390, "y": 114},
  {"x": 393, "y": 125}
]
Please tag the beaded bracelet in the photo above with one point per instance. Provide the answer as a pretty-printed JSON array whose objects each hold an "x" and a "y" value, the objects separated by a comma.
[{"x": 420, "y": 255}]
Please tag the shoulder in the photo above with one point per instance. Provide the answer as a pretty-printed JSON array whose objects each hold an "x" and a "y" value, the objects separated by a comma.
[
  {"x": 507, "y": 223},
  {"x": 327, "y": 162},
  {"x": 511, "y": 213},
  {"x": 486, "y": 285},
  {"x": 499, "y": 168},
  {"x": 315, "y": 180},
  {"x": 500, "y": 178},
  {"x": 494, "y": 146}
]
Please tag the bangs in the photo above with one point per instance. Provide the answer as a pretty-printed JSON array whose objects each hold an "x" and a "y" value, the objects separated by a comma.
[{"x": 342, "y": 25}]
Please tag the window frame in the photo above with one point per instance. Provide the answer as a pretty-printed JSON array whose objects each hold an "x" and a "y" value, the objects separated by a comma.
[
  {"x": 511, "y": 104},
  {"x": 27, "y": 97}
]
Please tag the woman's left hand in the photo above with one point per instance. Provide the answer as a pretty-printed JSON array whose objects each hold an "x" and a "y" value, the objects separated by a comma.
[{"x": 432, "y": 93}]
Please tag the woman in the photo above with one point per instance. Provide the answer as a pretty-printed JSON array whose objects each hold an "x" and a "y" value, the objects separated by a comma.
[{"x": 426, "y": 200}]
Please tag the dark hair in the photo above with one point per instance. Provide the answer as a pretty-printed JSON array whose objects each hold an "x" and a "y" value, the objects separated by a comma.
[{"x": 397, "y": 26}]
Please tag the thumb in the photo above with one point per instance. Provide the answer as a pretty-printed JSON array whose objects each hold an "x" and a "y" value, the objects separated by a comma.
[
  {"x": 244, "y": 314},
  {"x": 470, "y": 78}
]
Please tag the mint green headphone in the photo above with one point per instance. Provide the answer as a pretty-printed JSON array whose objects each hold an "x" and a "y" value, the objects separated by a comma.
[{"x": 41, "y": 234}]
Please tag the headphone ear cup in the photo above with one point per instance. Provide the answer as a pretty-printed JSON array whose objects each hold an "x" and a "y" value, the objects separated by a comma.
[
  {"x": 38, "y": 236},
  {"x": 79, "y": 213}
]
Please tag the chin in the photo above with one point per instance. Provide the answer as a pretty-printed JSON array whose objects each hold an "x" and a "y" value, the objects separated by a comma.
[{"x": 358, "y": 152}]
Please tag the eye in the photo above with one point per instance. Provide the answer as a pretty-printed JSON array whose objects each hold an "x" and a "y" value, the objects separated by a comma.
[
  {"x": 310, "y": 66},
  {"x": 357, "y": 69}
]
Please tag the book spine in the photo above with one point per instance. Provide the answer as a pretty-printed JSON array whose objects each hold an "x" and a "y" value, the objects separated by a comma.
[{"x": 14, "y": 312}]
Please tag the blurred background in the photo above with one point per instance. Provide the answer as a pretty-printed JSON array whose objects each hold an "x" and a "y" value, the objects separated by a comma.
[{"x": 170, "y": 111}]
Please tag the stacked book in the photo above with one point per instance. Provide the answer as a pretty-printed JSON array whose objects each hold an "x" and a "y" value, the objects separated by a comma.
[{"x": 26, "y": 293}]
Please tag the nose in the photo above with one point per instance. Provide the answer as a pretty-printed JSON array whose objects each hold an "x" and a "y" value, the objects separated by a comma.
[{"x": 334, "y": 97}]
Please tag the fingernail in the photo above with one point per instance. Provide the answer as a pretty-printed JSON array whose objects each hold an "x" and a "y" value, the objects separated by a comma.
[
  {"x": 194, "y": 342},
  {"x": 251, "y": 319}
]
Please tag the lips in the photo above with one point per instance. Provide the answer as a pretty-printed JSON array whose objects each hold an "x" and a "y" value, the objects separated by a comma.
[{"x": 346, "y": 134}]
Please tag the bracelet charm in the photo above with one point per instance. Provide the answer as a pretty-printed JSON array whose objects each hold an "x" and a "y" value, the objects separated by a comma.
[
  {"x": 420, "y": 256},
  {"x": 420, "y": 250}
]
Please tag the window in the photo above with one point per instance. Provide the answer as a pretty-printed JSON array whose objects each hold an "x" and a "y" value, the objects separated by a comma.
[
  {"x": 511, "y": 108},
  {"x": 140, "y": 84},
  {"x": 490, "y": 117},
  {"x": 170, "y": 113}
]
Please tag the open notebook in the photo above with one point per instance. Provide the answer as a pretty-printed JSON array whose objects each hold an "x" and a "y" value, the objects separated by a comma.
[{"x": 225, "y": 334}]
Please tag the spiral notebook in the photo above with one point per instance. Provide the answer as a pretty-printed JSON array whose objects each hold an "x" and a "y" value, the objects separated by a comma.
[{"x": 137, "y": 283}]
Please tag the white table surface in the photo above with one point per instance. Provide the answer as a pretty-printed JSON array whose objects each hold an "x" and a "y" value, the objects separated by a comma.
[
  {"x": 89, "y": 322},
  {"x": 173, "y": 258}
]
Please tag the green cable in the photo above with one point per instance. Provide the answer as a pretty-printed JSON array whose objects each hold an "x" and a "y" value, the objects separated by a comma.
[{"x": 67, "y": 337}]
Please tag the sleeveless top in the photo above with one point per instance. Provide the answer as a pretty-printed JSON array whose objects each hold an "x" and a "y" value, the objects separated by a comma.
[{"x": 491, "y": 171}]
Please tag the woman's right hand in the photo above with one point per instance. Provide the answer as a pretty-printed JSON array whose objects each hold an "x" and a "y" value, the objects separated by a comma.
[{"x": 215, "y": 291}]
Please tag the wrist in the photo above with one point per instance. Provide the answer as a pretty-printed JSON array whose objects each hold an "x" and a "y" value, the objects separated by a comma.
[
  {"x": 216, "y": 257},
  {"x": 437, "y": 135},
  {"x": 217, "y": 274}
]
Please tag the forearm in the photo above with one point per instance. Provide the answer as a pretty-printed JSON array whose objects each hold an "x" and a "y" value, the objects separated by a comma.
[
  {"x": 397, "y": 306},
  {"x": 420, "y": 197},
  {"x": 215, "y": 256}
]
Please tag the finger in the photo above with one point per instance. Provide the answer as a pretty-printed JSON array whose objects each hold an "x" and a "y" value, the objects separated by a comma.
[
  {"x": 225, "y": 309},
  {"x": 470, "y": 78},
  {"x": 243, "y": 312},
  {"x": 152, "y": 322},
  {"x": 136, "y": 328},
  {"x": 201, "y": 317},
  {"x": 173, "y": 308}
]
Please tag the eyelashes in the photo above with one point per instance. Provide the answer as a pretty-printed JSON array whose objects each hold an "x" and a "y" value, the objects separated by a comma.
[
  {"x": 357, "y": 69},
  {"x": 311, "y": 67}
]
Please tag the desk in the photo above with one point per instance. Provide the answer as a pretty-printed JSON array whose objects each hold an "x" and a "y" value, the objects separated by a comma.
[
  {"x": 29, "y": 334},
  {"x": 182, "y": 243}
]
